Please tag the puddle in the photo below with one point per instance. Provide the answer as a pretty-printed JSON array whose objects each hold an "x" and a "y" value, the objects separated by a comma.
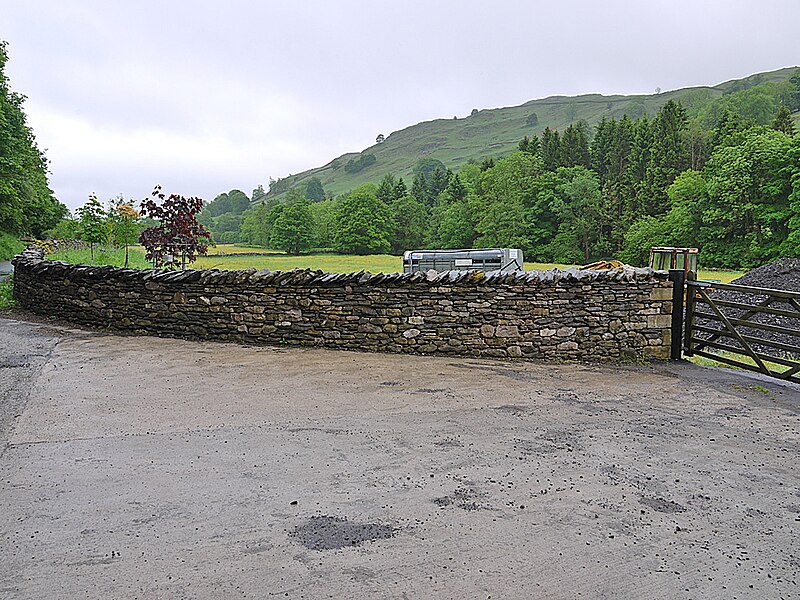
[{"x": 333, "y": 533}]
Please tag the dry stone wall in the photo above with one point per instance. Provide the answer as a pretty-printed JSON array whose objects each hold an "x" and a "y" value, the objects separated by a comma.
[{"x": 622, "y": 314}]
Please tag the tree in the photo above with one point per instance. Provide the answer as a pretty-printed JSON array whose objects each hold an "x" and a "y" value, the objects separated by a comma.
[
  {"x": 507, "y": 188},
  {"x": 123, "y": 226},
  {"x": 258, "y": 194},
  {"x": 27, "y": 204},
  {"x": 409, "y": 221},
  {"x": 362, "y": 223},
  {"x": 257, "y": 222},
  {"x": 748, "y": 214},
  {"x": 668, "y": 156},
  {"x": 574, "y": 148},
  {"x": 385, "y": 192},
  {"x": 643, "y": 235},
  {"x": 324, "y": 216},
  {"x": 178, "y": 231},
  {"x": 426, "y": 167},
  {"x": 532, "y": 120},
  {"x": 400, "y": 189},
  {"x": 94, "y": 223},
  {"x": 783, "y": 121},
  {"x": 438, "y": 182},
  {"x": 550, "y": 149},
  {"x": 529, "y": 145},
  {"x": 794, "y": 91},
  {"x": 578, "y": 209},
  {"x": 451, "y": 221},
  {"x": 314, "y": 190},
  {"x": 354, "y": 165},
  {"x": 66, "y": 229},
  {"x": 679, "y": 227},
  {"x": 419, "y": 188},
  {"x": 293, "y": 230}
]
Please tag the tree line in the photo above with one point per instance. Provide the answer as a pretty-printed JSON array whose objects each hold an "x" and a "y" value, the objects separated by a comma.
[
  {"x": 722, "y": 175},
  {"x": 27, "y": 204},
  {"x": 576, "y": 196}
]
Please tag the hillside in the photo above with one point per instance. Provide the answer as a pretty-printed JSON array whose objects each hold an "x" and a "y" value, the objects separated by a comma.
[{"x": 496, "y": 132}]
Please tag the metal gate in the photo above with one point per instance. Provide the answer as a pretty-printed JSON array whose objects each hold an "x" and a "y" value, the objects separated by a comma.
[{"x": 747, "y": 327}]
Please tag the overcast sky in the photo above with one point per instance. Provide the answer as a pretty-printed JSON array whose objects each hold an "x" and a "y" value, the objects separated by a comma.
[{"x": 204, "y": 96}]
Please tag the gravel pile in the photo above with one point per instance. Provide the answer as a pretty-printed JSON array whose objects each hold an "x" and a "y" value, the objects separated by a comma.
[{"x": 780, "y": 274}]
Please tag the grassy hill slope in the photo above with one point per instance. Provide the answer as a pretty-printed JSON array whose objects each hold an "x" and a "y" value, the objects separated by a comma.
[{"x": 496, "y": 132}]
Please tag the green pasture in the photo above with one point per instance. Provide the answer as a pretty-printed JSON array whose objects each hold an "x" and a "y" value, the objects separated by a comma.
[{"x": 231, "y": 257}]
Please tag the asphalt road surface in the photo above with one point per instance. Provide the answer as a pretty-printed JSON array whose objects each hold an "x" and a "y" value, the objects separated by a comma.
[{"x": 138, "y": 467}]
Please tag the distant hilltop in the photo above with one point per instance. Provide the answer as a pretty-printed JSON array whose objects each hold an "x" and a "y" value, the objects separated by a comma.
[{"x": 493, "y": 133}]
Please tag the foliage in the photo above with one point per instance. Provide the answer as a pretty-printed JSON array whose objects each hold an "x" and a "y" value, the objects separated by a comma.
[
  {"x": 362, "y": 223},
  {"x": 426, "y": 167},
  {"x": 94, "y": 226},
  {"x": 783, "y": 121},
  {"x": 178, "y": 232},
  {"x": 258, "y": 194},
  {"x": 293, "y": 230},
  {"x": 324, "y": 216},
  {"x": 223, "y": 215},
  {"x": 235, "y": 201},
  {"x": 686, "y": 168},
  {"x": 277, "y": 186},
  {"x": 532, "y": 120},
  {"x": 757, "y": 104},
  {"x": 746, "y": 220},
  {"x": 314, "y": 190},
  {"x": 409, "y": 221},
  {"x": 125, "y": 226},
  {"x": 257, "y": 222},
  {"x": 354, "y": 165},
  {"x": 27, "y": 205},
  {"x": 7, "y": 293},
  {"x": 65, "y": 229},
  {"x": 103, "y": 256},
  {"x": 10, "y": 246}
]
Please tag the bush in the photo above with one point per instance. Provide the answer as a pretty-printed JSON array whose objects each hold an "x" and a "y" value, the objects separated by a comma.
[{"x": 356, "y": 165}]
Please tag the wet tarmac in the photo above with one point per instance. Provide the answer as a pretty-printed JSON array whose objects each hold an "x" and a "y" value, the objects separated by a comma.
[{"x": 138, "y": 467}]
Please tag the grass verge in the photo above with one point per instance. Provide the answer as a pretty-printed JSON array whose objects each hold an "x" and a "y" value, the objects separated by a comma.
[
  {"x": 7, "y": 293},
  {"x": 710, "y": 362}
]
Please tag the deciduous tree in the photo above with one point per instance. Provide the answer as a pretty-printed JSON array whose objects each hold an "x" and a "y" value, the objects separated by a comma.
[
  {"x": 178, "y": 232},
  {"x": 94, "y": 223},
  {"x": 362, "y": 223},
  {"x": 293, "y": 230}
]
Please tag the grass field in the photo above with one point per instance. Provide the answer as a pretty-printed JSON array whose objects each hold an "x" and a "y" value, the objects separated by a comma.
[
  {"x": 6, "y": 293},
  {"x": 230, "y": 257}
]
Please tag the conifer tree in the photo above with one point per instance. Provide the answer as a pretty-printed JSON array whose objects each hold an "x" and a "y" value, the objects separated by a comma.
[{"x": 783, "y": 121}]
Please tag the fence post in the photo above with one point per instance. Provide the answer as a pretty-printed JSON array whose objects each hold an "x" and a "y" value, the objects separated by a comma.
[
  {"x": 678, "y": 279},
  {"x": 690, "y": 304}
]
